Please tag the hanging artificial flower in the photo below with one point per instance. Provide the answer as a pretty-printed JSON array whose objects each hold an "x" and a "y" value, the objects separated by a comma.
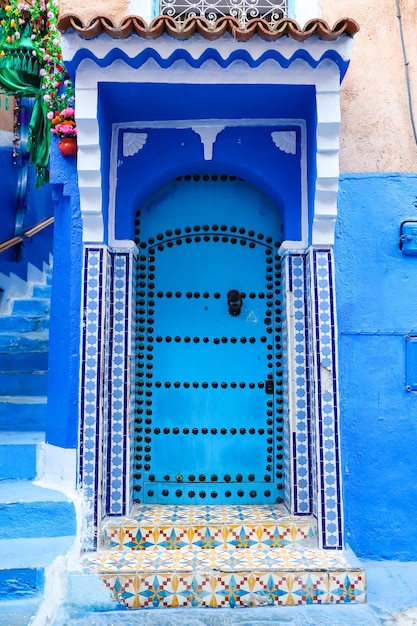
[{"x": 31, "y": 66}]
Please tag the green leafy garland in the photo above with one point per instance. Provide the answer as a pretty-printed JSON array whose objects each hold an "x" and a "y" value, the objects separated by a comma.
[{"x": 31, "y": 65}]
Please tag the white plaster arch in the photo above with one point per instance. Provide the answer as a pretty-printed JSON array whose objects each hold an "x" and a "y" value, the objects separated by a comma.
[{"x": 325, "y": 77}]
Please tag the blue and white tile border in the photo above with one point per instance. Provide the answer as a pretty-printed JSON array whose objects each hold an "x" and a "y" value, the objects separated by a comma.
[
  {"x": 92, "y": 377},
  {"x": 104, "y": 445},
  {"x": 324, "y": 334},
  {"x": 312, "y": 391},
  {"x": 106, "y": 409},
  {"x": 118, "y": 386},
  {"x": 299, "y": 387}
]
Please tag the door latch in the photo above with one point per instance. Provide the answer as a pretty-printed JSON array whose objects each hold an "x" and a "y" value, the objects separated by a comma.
[{"x": 234, "y": 302}]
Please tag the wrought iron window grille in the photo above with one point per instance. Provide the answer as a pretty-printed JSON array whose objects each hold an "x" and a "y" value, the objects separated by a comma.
[{"x": 211, "y": 10}]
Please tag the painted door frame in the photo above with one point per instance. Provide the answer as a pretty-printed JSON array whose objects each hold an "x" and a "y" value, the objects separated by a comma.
[{"x": 310, "y": 400}]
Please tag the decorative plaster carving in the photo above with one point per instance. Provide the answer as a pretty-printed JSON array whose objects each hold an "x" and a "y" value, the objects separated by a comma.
[
  {"x": 208, "y": 136},
  {"x": 133, "y": 142},
  {"x": 285, "y": 140}
]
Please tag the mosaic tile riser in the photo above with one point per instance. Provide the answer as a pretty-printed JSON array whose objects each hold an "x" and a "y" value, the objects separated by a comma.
[
  {"x": 312, "y": 272},
  {"x": 225, "y": 538},
  {"x": 234, "y": 590}
]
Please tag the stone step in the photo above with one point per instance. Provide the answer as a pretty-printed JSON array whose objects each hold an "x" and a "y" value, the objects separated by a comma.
[
  {"x": 22, "y": 413},
  {"x": 229, "y": 527},
  {"x": 18, "y": 454},
  {"x": 23, "y": 361},
  {"x": 21, "y": 611},
  {"x": 216, "y": 578},
  {"x": 23, "y": 323},
  {"x": 21, "y": 342},
  {"x": 31, "y": 306},
  {"x": 24, "y": 383},
  {"x": 28, "y": 510},
  {"x": 23, "y": 562},
  {"x": 42, "y": 291}
]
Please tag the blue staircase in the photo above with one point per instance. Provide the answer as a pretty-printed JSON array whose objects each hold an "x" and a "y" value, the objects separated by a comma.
[{"x": 36, "y": 523}]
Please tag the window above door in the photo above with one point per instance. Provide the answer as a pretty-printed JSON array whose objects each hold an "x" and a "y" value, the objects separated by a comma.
[{"x": 243, "y": 10}]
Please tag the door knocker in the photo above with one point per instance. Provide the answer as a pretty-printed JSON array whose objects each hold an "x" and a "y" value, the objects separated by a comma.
[{"x": 234, "y": 302}]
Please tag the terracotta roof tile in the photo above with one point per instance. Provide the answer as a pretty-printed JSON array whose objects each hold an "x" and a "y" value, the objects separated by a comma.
[{"x": 284, "y": 27}]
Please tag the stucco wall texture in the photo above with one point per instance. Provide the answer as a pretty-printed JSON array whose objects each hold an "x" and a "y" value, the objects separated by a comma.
[
  {"x": 87, "y": 9},
  {"x": 6, "y": 115},
  {"x": 376, "y": 132}
]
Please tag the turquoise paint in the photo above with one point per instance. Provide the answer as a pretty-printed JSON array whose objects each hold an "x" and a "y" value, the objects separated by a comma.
[
  {"x": 200, "y": 429},
  {"x": 377, "y": 308}
]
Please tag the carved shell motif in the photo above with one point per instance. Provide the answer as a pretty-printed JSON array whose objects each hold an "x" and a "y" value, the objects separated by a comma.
[
  {"x": 133, "y": 142},
  {"x": 285, "y": 140}
]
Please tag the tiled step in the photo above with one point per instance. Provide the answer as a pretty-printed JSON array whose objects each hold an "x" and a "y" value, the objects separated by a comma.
[
  {"x": 28, "y": 510},
  {"x": 216, "y": 578},
  {"x": 171, "y": 527},
  {"x": 23, "y": 562},
  {"x": 31, "y": 306},
  {"x": 18, "y": 453},
  {"x": 20, "y": 413}
]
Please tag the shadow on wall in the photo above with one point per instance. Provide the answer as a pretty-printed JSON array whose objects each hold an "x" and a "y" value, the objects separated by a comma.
[{"x": 35, "y": 251}]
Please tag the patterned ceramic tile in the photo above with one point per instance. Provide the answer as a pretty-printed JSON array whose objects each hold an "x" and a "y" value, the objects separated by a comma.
[
  {"x": 286, "y": 386},
  {"x": 311, "y": 366},
  {"x": 219, "y": 589},
  {"x": 299, "y": 373},
  {"x": 346, "y": 587},
  {"x": 92, "y": 376},
  {"x": 222, "y": 560},
  {"x": 117, "y": 385},
  {"x": 327, "y": 427},
  {"x": 225, "y": 537},
  {"x": 209, "y": 514}
]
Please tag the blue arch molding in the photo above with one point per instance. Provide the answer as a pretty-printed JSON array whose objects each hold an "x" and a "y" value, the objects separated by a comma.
[
  {"x": 211, "y": 54},
  {"x": 257, "y": 159}
]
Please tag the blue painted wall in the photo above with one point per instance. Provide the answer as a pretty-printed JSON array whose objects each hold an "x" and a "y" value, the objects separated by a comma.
[
  {"x": 64, "y": 330},
  {"x": 40, "y": 207},
  {"x": 377, "y": 307},
  {"x": 249, "y": 153}
]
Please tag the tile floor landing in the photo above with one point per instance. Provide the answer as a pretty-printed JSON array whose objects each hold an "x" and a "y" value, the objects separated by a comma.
[{"x": 213, "y": 556}]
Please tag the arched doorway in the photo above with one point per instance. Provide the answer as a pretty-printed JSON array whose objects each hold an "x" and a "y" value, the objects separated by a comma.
[{"x": 208, "y": 422}]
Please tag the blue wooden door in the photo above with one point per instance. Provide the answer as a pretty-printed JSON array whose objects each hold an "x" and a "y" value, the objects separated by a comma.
[{"x": 208, "y": 361}]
